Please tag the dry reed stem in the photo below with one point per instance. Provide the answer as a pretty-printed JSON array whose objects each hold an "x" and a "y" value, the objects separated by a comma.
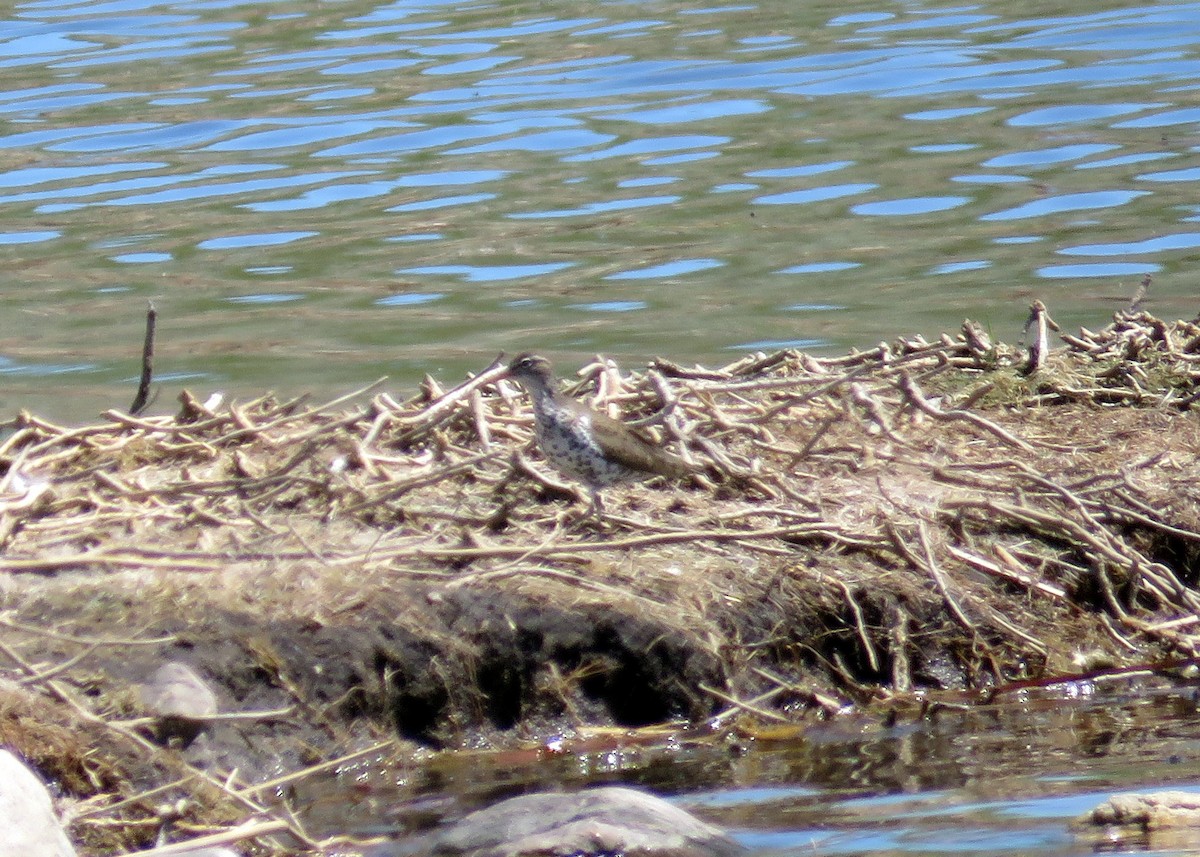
[{"x": 240, "y": 833}]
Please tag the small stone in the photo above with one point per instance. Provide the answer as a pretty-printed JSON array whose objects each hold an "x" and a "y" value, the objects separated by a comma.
[
  {"x": 28, "y": 824},
  {"x": 180, "y": 699},
  {"x": 603, "y": 821}
]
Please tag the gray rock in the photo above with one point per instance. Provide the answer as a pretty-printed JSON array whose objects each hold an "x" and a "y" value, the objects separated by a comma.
[
  {"x": 181, "y": 701},
  {"x": 28, "y": 825},
  {"x": 1167, "y": 821},
  {"x": 604, "y": 821},
  {"x": 1146, "y": 811}
]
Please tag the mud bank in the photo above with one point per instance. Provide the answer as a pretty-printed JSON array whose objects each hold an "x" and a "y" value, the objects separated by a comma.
[{"x": 924, "y": 521}]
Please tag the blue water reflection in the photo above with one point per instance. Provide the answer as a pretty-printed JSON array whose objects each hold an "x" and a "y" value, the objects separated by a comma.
[
  {"x": 597, "y": 208},
  {"x": 32, "y": 237},
  {"x": 1097, "y": 269},
  {"x": 1180, "y": 241},
  {"x": 1067, "y": 114},
  {"x": 677, "y": 268},
  {"x": 755, "y": 149},
  {"x": 442, "y": 202},
  {"x": 959, "y": 267},
  {"x": 650, "y": 145},
  {"x": 612, "y": 306},
  {"x": 265, "y": 298},
  {"x": 915, "y": 205},
  {"x": 1164, "y": 119},
  {"x": 1189, "y": 174},
  {"x": 693, "y": 111},
  {"x": 1089, "y": 201},
  {"x": 263, "y": 239},
  {"x": 1046, "y": 157},
  {"x": 801, "y": 170},
  {"x": 819, "y": 267},
  {"x": 489, "y": 273},
  {"x": 817, "y": 194},
  {"x": 142, "y": 258},
  {"x": 410, "y": 299}
]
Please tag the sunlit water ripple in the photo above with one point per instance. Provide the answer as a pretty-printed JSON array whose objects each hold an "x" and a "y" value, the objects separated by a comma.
[{"x": 316, "y": 195}]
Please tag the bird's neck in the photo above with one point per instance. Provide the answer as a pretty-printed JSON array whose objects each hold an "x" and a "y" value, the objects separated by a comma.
[
  {"x": 545, "y": 396},
  {"x": 551, "y": 403}
]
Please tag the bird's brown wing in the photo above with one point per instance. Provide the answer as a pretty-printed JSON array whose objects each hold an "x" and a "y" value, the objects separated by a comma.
[{"x": 629, "y": 448}]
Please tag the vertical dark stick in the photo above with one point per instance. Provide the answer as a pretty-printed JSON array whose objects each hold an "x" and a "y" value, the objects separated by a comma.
[{"x": 143, "y": 392}]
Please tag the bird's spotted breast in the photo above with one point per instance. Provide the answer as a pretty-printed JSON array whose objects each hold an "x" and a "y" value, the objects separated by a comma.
[{"x": 567, "y": 442}]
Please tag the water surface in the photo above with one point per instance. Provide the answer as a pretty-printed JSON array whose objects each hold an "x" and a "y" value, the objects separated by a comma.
[
  {"x": 1004, "y": 779},
  {"x": 315, "y": 195}
]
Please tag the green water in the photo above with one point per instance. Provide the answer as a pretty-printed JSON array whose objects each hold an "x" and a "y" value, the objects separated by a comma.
[{"x": 315, "y": 195}]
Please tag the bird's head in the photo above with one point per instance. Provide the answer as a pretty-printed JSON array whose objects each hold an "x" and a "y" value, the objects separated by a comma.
[{"x": 531, "y": 369}]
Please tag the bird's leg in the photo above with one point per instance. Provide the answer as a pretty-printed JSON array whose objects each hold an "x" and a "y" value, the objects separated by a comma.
[
  {"x": 596, "y": 507},
  {"x": 594, "y": 510}
]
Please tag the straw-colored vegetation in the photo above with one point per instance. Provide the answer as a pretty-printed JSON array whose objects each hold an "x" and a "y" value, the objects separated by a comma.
[{"x": 941, "y": 521}]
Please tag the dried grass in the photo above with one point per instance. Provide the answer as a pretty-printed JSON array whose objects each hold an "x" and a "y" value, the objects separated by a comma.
[{"x": 955, "y": 514}]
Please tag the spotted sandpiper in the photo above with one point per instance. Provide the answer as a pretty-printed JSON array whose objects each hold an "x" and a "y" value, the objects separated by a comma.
[{"x": 585, "y": 444}]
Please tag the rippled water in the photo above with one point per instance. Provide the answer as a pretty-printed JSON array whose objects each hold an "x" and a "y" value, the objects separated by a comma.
[
  {"x": 316, "y": 194},
  {"x": 1007, "y": 779}
]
